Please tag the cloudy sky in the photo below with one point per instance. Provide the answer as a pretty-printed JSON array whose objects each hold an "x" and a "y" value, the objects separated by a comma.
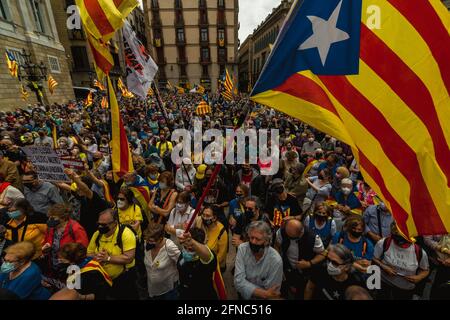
[{"x": 252, "y": 13}]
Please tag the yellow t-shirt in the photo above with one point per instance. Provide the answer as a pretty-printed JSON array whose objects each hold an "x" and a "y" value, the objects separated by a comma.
[
  {"x": 110, "y": 245},
  {"x": 164, "y": 147},
  {"x": 130, "y": 215},
  {"x": 218, "y": 246},
  {"x": 35, "y": 233}
]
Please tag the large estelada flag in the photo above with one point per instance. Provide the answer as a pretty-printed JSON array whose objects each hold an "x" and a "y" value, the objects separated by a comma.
[
  {"x": 122, "y": 162},
  {"x": 376, "y": 75}
]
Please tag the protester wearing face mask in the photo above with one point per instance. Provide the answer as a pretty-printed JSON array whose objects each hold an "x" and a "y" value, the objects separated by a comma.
[
  {"x": 327, "y": 144},
  {"x": 95, "y": 283},
  {"x": 252, "y": 212},
  {"x": 236, "y": 206},
  {"x": 20, "y": 275},
  {"x": 196, "y": 266},
  {"x": 61, "y": 229},
  {"x": 91, "y": 147},
  {"x": 179, "y": 216},
  {"x": 40, "y": 194},
  {"x": 378, "y": 222},
  {"x": 184, "y": 177},
  {"x": 130, "y": 214},
  {"x": 26, "y": 225},
  {"x": 341, "y": 174},
  {"x": 352, "y": 237},
  {"x": 322, "y": 223},
  {"x": 114, "y": 246},
  {"x": 246, "y": 175},
  {"x": 161, "y": 256},
  {"x": 347, "y": 202},
  {"x": 404, "y": 265},
  {"x": 283, "y": 205},
  {"x": 259, "y": 267},
  {"x": 296, "y": 184},
  {"x": 163, "y": 199},
  {"x": 216, "y": 234},
  {"x": 331, "y": 282},
  {"x": 152, "y": 175},
  {"x": 309, "y": 147},
  {"x": 301, "y": 250}
]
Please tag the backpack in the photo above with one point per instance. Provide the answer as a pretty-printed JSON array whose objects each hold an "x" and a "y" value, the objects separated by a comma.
[
  {"x": 387, "y": 243},
  {"x": 119, "y": 240}
]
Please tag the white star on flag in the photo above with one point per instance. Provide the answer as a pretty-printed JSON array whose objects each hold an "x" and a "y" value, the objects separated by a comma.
[{"x": 325, "y": 33}]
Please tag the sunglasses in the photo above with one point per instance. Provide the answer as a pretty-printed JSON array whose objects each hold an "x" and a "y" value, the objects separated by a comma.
[
  {"x": 123, "y": 199},
  {"x": 336, "y": 264}
]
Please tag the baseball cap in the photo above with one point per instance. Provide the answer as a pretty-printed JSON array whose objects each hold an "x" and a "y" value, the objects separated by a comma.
[{"x": 201, "y": 171}]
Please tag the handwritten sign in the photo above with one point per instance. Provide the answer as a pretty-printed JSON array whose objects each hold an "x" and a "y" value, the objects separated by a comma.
[{"x": 46, "y": 162}]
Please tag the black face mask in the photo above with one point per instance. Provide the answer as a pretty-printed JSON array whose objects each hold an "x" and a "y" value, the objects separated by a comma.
[
  {"x": 320, "y": 218},
  {"x": 279, "y": 190},
  {"x": 256, "y": 248},
  {"x": 249, "y": 214},
  {"x": 356, "y": 234},
  {"x": 321, "y": 177},
  {"x": 53, "y": 223},
  {"x": 207, "y": 222},
  {"x": 103, "y": 229},
  {"x": 28, "y": 185},
  {"x": 149, "y": 246}
]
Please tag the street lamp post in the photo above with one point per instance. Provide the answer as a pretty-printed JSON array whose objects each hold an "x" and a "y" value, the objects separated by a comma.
[{"x": 33, "y": 74}]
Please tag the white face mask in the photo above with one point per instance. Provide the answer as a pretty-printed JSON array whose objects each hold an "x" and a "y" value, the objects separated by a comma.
[
  {"x": 346, "y": 191},
  {"x": 181, "y": 207},
  {"x": 121, "y": 204},
  {"x": 332, "y": 270},
  {"x": 311, "y": 140}
]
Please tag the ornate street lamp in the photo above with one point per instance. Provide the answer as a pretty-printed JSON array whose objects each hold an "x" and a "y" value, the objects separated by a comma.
[{"x": 33, "y": 74}]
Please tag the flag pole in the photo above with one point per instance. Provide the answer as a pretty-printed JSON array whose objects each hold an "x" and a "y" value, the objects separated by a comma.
[
  {"x": 216, "y": 171},
  {"x": 109, "y": 116}
]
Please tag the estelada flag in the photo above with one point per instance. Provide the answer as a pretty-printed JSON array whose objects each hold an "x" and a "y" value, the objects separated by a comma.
[
  {"x": 89, "y": 100},
  {"x": 375, "y": 74}
]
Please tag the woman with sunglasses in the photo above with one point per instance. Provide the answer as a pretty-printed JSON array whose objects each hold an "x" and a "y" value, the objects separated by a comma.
[{"x": 331, "y": 282}]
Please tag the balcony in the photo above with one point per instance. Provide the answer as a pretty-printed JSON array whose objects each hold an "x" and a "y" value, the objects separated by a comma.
[
  {"x": 182, "y": 61},
  {"x": 204, "y": 43}
]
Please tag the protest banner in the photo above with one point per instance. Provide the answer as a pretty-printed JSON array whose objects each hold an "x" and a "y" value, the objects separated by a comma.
[{"x": 46, "y": 163}]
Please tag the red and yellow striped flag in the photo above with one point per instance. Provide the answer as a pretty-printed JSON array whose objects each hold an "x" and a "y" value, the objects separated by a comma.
[
  {"x": 125, "y": 92},
  {"x": 203, "y": 108},
  {"x": 122, "y": 162},
  {"x": 99, "y": 85},
  {"x": 102, "y": 18},
  {"x": 24, "y": 93},
  {"x": 103, "y": 59},
  {"x": 104, "y": 103},
  {"x": 51, "y": 84},
  {"x": 89, "y": 100},
  {"x": 380, "y": 82}
]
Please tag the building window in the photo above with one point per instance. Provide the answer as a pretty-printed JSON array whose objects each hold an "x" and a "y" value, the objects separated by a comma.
[
  {"x": 221, "y": 4},
  {"x": 180, "y": 35},
  {"x": 202, "y": 3},
  {"x": 155, "y": 4},
  {"x": 36, "y": 8},
  {"x": 183, "y": 71},
  {"x": 222, "y": 54},
  {"x": 53, "y": 62},
  {"x": 80, "y": 58},
  {"x": 205, "y": 54},
  {"x": 17, "y": 55},
  {"x": 221, "y": 34},
  {"x": 204, "y": 35},
  {"x": 178, "y": 4},
  {"x": 4, "y": 10}
]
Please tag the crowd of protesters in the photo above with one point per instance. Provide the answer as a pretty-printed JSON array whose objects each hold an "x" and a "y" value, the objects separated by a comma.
[{"x": 313, "y": 230}]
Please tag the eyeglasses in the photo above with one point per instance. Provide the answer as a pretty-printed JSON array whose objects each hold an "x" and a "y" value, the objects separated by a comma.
[{"x": 123, "y": 199}]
